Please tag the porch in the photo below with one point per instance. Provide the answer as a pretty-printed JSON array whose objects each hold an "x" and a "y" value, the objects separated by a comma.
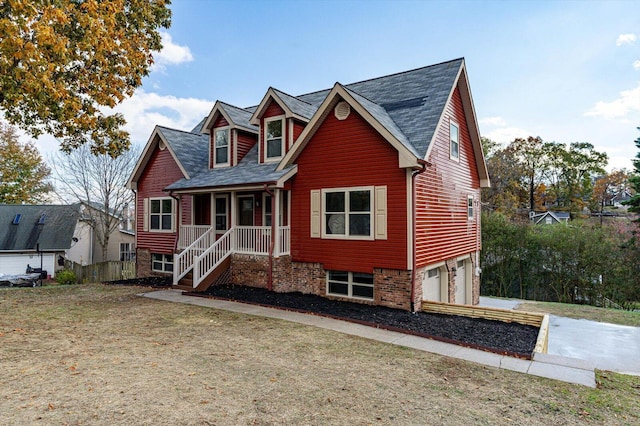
[
  {"x": 215, "y": 225},
  {"x": 205, "y": 254}
]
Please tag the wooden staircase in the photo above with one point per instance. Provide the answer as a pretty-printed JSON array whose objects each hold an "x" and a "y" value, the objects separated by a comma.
[{"x": 220, "y": 275}]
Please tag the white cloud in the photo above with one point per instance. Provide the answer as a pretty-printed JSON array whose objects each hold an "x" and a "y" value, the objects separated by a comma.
[
  {"x": 506, "y": 135},
  {"x": 628, "y": 102},
  {"x": 493, "y": 121},
  {"x": 143, "y": 111},
  {"x": 636, "y": 65},
  {"x": 626, "y": 39},
  {"x": 171, "y": 53}
]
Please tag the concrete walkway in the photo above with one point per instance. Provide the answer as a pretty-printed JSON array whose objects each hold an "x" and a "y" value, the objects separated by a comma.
[
  {"x": 550, "y": 366},
  {"x": 606, "y": 346}
]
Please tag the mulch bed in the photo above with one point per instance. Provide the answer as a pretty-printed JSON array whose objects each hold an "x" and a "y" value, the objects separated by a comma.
[{"x": 511, "y": 339}]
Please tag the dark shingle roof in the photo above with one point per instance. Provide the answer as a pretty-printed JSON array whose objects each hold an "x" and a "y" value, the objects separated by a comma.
[
  {"x": 248, "y": 171},
  {"x": 414, "y": 100},
  {"x": 54, "y": 233},
  {"x": 382, "y": 116},
  {"x": 239, "y": 116},
  {"x": 190, "y": 148},
  {"x": 408, "y": 104},
  {"x": 297, "y": 106}
]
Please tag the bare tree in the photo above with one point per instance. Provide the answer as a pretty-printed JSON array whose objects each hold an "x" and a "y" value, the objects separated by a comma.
[{"x": 97, "y": 182}]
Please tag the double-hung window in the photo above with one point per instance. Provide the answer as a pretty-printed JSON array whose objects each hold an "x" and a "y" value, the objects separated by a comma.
[
  {"x": 348, "y": 213},
  {"x": 454, "y": 136},
  {"x": 273, "y": 139},
  {"x": 161, "y": 214},
  {"x": 126, "y": 252},
  {"x": 222, "y": 146}
]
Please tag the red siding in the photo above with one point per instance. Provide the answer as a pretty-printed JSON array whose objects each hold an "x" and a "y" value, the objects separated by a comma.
[
  {"x": 273, "y": 110},
  {"x": 442, "y": 228},
  {"x": 220, "y": 122},
  {"x": 161, "y": 170},
  {"x": 349, "y": 153},
  {"x": 298, "y": 127},
  {"x": 245, "y": 142}
]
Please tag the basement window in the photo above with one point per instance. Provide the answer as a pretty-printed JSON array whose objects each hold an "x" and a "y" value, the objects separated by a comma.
[
  {"x": 161, "y": 262},
  {"x": 355, "y": 285}
]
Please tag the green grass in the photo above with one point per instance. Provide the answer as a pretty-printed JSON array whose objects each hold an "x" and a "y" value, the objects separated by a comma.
[{"x": 593, "y": 313}]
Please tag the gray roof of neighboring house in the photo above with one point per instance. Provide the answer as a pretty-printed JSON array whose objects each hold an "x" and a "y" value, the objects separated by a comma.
[
  {"x": 248, "y": 171},
  {"x": 191, "y": 149},
  {"x": 53, "y": 232},
  {"x": 297, "y": 106},
  {"x": 239, "y": 116},
  {"x": 408, "y": 104}
]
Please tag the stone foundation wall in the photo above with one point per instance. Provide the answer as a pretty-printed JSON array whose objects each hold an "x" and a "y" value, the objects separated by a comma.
[{"x": 143, "y": 265}]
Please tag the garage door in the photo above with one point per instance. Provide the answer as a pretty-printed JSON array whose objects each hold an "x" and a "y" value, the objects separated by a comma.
[
  {"x": 461, "y": 283},
  {"x": 12, "y": 264},
  {"x": 431, "y": 285}
]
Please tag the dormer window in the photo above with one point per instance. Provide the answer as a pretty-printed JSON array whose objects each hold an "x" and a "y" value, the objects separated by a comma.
[
  {"x": 273, "y": 140},
  {"x": 222, "y": 146}
]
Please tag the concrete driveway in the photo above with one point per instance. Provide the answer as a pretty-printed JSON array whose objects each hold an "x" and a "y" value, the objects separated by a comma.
[{"x": 607, "y": 346}]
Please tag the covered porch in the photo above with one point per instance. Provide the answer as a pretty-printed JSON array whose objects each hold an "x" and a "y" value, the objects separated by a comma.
[{"x": 215, "y": 225}]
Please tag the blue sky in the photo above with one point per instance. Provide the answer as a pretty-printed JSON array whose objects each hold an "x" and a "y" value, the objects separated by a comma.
[{"x": 565, "y": 71}]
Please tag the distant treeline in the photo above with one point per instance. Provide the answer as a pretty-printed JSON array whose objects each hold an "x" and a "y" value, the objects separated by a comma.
[{"x": 579, "y": 262}]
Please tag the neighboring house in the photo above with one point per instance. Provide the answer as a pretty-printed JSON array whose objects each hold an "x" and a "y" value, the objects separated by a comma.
[
  {"x": 367, "y": 192},
  {"x": 619, "y": 198},
  {"x": 36, "y": 236},
  {"x": 87, "y": 250},
  {"x": 550, "y": 218}
]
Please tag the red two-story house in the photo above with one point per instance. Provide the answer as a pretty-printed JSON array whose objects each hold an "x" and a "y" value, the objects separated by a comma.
[{"x": 367, "y": 192}]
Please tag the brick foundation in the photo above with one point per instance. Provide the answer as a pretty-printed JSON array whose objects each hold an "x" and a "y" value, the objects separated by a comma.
[{"x": 392, "y": 288}]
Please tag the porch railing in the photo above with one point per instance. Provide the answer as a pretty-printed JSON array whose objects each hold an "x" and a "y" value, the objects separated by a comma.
[
  {"x": 205, "y": 253},
  {"x": 285, "y": 239},
  {"x": 183, "y": 261},
  {"x": 190, "y": 233},
  {"x": 209, "y": 260}
]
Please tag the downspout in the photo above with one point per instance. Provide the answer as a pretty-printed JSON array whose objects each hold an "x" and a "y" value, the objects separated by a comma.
[
  {"x": 273, "y": 237},
  {"x": 415, "y": 173},
  {"x": 175, "y": 243}
]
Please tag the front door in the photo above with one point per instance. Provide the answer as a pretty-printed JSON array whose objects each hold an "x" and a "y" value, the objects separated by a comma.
[
  {"x": 222, "y": 214},
  {"x": 245, "y": 211},
  {"x": 202, "y": 209}
]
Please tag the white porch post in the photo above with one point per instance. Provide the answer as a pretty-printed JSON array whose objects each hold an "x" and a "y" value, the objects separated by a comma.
[{"x": 275, "y": 217}]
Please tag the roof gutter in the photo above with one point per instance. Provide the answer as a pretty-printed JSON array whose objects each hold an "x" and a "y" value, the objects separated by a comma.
[{"x": 415, "y": 173}]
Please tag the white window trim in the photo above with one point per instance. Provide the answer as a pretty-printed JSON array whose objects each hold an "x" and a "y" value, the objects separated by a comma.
[
  {"x": 457, "y": 126},
  {"x": 127, "y": 253},
  {"x": 214, "y": 147},
  {"x": 282, "y": 120},
  {"x": 350, "y": 284},
  {"x": 471, "y": 216},
  {"x": 323, "y": 222},
  {"x": 163, "y": 261},
  {"x": 173, "y": 215}
]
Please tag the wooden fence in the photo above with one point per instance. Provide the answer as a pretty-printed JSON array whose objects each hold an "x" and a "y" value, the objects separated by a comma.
[{"x": 103, "y": 271}]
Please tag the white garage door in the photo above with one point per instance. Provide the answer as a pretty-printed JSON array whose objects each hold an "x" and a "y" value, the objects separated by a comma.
[
  {"x": 431, "y": 285},
  {"x": 461, "y": 283},
  {"x": 12, "y": 264}
]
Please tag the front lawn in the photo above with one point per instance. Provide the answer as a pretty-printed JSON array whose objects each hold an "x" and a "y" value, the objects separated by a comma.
[{"x": 94, "y": 354}]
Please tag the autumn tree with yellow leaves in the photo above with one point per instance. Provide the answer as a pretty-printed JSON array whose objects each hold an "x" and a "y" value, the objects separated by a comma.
[
  {"x": 23, "y": 175},
  {"x": 62, "y": 62}
]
